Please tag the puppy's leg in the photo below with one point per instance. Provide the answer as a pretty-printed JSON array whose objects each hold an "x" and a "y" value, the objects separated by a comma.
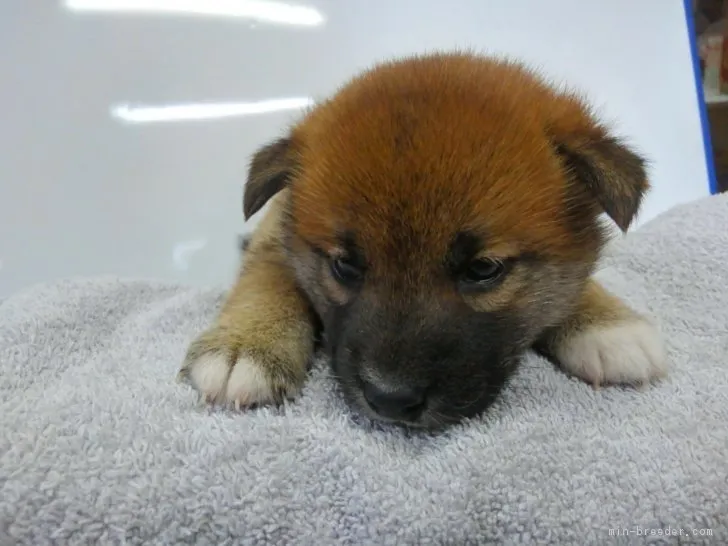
[
  {"x": 258, "y": 350},
  {"x": 604, "y": 341}
]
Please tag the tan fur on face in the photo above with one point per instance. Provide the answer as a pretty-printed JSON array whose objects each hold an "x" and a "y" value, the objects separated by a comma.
[
  {"x": 502, "y": 296},
  {"x": 333, "y": 289}
]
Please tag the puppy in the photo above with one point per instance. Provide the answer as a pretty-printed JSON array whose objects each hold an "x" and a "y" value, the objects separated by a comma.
[{"x": 437, "y": 217}]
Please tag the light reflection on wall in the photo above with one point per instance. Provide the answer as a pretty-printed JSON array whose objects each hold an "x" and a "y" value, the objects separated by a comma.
[
  {"x": 204, "y": 111},
  {"x": 282, "y": 13}
]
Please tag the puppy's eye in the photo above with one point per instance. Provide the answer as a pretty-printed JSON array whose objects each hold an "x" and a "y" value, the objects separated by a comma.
[
  {"x": 345, "y": 272},
  {"x": 483, "y": 272}
]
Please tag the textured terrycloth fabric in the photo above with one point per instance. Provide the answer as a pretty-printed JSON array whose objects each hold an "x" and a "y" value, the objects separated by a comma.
[{"x": 99, "y": 444}]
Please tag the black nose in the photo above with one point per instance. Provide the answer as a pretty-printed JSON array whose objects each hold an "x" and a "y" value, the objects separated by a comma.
[{"x": 404, "y": 404}]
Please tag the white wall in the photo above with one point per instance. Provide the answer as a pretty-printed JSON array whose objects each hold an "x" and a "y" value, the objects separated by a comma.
[{"x": 84, "y": 193}]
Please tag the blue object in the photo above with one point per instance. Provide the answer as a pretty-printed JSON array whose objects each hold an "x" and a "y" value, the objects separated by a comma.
[{"x": 702, "y": 107}]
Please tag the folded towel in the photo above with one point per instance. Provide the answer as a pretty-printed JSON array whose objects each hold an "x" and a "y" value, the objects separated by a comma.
[{"x": 100, "y": 445}]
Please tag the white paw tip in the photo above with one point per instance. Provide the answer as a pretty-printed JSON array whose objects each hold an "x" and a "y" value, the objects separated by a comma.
[
  {"x": 630, "y": 353},
  {"x": 248, "y": 384},
  {"x": 209, "y": 375}
]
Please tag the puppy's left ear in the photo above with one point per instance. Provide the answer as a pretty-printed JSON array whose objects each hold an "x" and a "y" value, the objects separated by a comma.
[
  {"x": 271, "y": 170},
  {"x": 613, "y": 174}
]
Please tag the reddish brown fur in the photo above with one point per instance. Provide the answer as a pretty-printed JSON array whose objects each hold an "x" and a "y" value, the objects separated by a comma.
[{"x": 515, "y": 186}]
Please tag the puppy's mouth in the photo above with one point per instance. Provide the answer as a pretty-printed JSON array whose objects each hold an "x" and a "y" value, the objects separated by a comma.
[
  {"x": 427, "y": 418},
  {"x": 400, "y": 406},
  {"x": 445, "y": 399},
  {"x": 404, "y": 408}
]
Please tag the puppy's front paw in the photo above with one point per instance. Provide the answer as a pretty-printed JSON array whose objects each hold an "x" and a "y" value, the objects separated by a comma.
[
  {"x": 629, "y": 351},
  {"x": 227, "y": 371}
]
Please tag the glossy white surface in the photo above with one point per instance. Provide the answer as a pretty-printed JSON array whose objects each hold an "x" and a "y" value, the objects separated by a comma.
[{"x": 127, "y": 124}]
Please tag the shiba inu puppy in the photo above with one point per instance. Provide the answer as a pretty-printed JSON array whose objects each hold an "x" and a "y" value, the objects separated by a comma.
[{"x": 435, "y": 218}]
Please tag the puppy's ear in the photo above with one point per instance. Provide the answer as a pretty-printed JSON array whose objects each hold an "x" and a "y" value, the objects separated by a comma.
[
  {"x": 271, "y": 169},
  {"x": 613, "y": 174}
]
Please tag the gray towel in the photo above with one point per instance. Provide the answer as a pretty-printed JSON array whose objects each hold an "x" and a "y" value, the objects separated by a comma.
[{"x": 99, "y": 444}]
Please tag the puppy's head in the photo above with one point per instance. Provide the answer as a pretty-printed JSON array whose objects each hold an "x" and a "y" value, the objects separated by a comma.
[{"x": 443, "y": 212}]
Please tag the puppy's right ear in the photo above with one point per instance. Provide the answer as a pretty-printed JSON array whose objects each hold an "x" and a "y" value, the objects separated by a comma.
[{"x": 271, "y": 169}]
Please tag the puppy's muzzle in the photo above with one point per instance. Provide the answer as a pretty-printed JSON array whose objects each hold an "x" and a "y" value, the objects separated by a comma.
[{"x": 399, "y": 404}]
